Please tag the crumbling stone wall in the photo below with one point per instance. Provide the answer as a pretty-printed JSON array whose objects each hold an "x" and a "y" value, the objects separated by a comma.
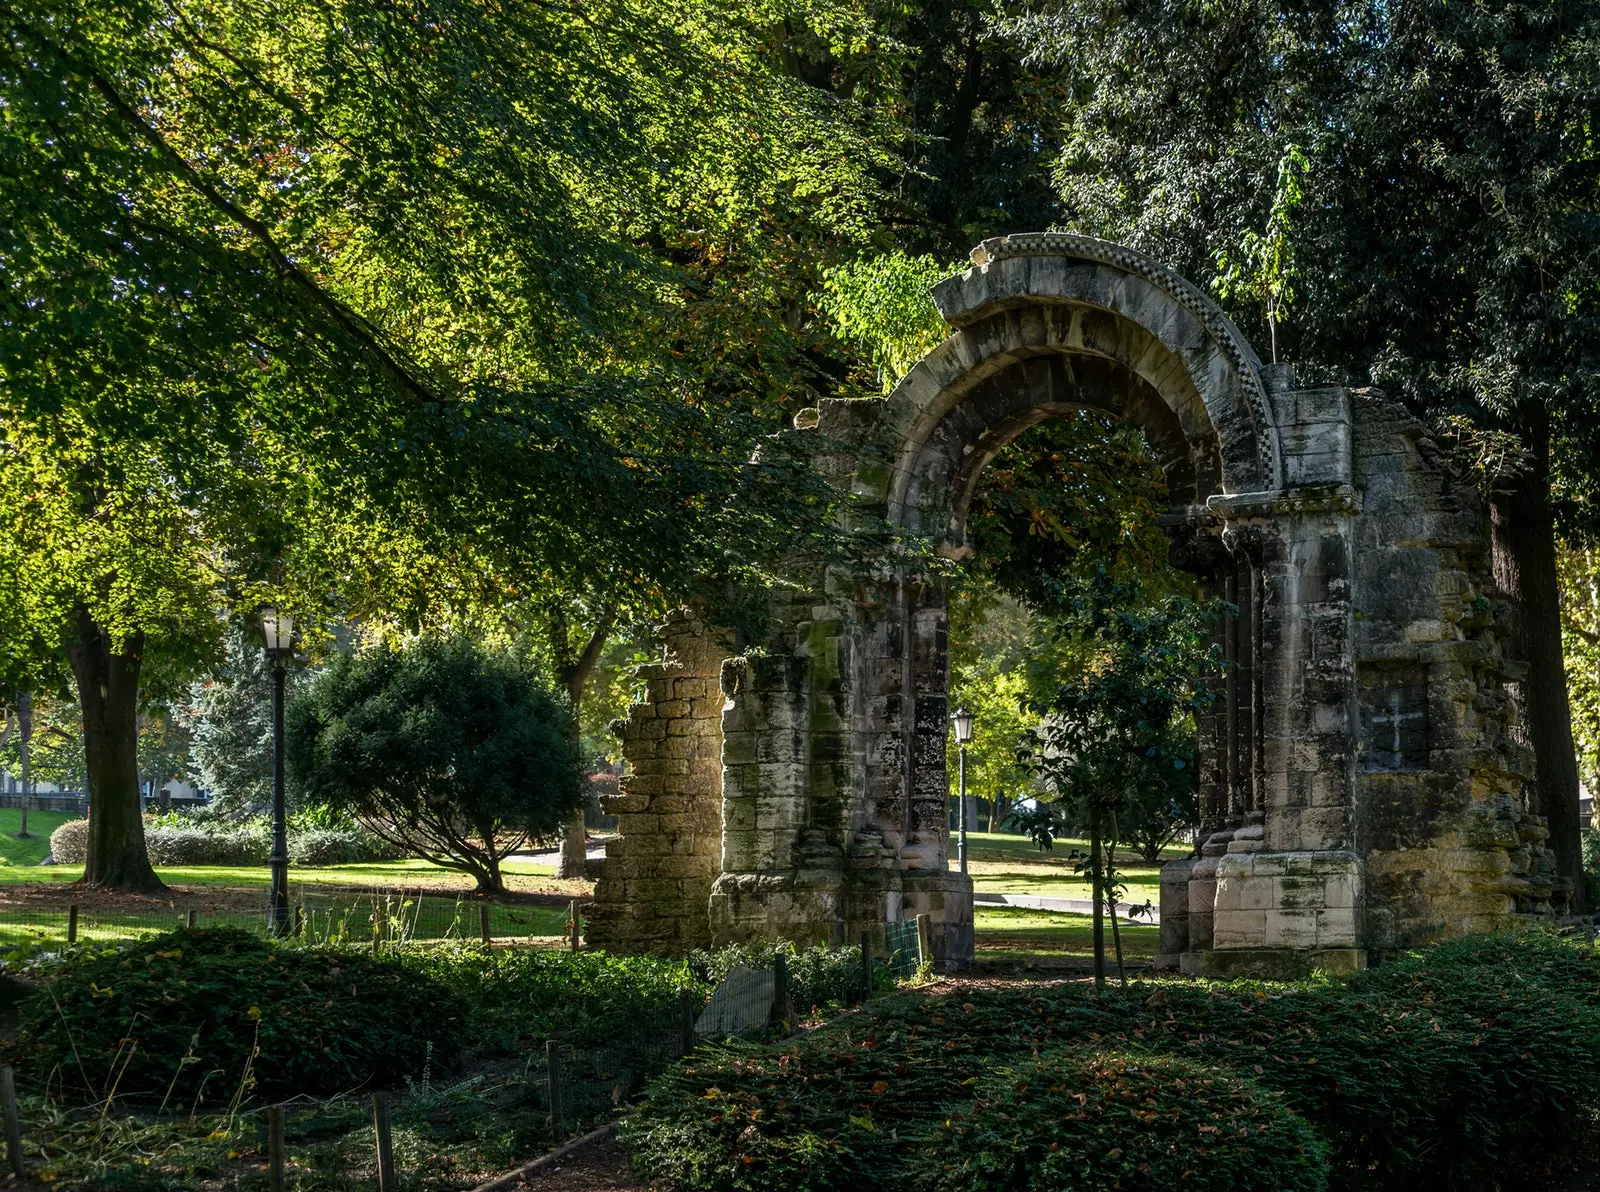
[
  {"x": 1361, "y": 782},
  {"x": 658, "y": 872},
  {"x": 1440, "y": 812}
]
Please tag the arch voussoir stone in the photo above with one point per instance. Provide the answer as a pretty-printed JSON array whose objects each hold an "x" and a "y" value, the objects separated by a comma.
[{"x": 1361, "y": 787}]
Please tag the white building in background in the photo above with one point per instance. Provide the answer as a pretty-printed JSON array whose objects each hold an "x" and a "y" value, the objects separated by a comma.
[{"x": 52, "y": 797}]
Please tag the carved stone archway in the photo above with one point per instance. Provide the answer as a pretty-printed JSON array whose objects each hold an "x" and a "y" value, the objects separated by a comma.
[{"x": 1358, "y": 784}]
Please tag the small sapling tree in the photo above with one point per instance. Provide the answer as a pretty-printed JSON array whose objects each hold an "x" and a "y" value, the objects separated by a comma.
[
  {"x": 1113, "y": 745},
  {"x": 450, "y": 751}
]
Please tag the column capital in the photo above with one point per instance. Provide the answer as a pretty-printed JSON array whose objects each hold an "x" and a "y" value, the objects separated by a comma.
[{"x": 1285, "y": 502}]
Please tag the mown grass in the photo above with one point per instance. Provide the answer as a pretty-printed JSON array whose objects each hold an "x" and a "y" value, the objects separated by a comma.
[
  {"x": 1007, "y": 864},
  {"x": 36, "y": 846},
  {"x": 1012, "y": 938}
]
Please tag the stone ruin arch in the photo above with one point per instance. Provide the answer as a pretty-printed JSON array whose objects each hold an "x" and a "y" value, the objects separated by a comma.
[{"x": 1361, "y": 780}]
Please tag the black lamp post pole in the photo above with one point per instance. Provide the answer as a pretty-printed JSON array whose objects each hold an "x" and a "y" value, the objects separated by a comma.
[
  {"x": 961, "y": 807},
  {"x": 279, "y": 861}
]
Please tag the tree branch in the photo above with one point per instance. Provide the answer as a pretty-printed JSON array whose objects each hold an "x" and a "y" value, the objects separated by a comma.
[{"x": 352, "y": 324}]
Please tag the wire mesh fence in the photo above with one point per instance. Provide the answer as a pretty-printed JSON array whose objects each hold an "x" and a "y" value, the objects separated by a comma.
[{"x": 377, "y": 918}]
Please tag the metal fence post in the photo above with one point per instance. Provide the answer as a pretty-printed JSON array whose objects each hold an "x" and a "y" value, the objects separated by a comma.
[
  {"x": 686, "y": 1021},
  {"x": 188, "y": 920},
  {"x": 780, "y": 988},
  {"x": 72, "y": 923},
  {"x": 8, "y": 1101},
  {"x": 866, "y": 964},
  {"x": 380, "y": 1127}
]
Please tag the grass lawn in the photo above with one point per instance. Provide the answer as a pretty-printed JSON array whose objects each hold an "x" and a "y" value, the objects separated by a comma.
[
  {"x": 36, "y": 847},
  {"x": 1012, "y": 938},
  {"x": 400, "y": 899},
  {"x": 1009, "y": 864}
]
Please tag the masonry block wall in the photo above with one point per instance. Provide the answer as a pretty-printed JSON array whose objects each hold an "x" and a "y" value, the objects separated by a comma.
[
  {"x": 1439, "y": 808},
  {"x": 659, "y": 869},
  {"x": 1362, "y": 781}
]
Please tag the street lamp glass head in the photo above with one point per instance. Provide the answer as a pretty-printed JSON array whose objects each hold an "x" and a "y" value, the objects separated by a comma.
[
  {"x": 963, "y": 723},
  {"x": 277, "y": 629}
]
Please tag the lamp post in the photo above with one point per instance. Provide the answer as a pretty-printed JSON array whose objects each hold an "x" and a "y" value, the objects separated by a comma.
[
  {"x": 278, "y": 632},
  {"x": 963, "y": 722}
]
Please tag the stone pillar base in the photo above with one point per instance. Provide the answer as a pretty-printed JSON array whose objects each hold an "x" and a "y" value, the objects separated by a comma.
[
  {"x": 1273, "y": 964},
  {"x": 1301, "y": 901},
  {"x": 817, "y": 907}
]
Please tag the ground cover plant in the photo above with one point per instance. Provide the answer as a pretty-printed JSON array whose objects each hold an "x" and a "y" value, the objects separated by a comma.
[
  {"x": 211, "y": 1015},
  {"x": 1438, "y": 1070},
  {"x": 1056, "y": 1120},
  {"x": 465, "y": 1107}
]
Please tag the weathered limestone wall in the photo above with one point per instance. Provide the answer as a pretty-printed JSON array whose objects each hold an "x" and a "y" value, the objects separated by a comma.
[
  {"x": 1361, "y": 778},
  {"x": 654, "y": 887},
  {"x": 1439, "y": 810}
]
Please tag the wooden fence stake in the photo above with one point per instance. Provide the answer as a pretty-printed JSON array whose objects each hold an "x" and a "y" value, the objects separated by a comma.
[
  {"x": 780, "y": 988},
  {"x": 8, "y": 1101},
  {"x": 574, "y": 924},
  {"x": 552, "y": 1071},
  {"x": 72, "y": 923},
  {"x": 300, "y": 921},
  {"x": 924, "y": 940},
  {"x": 866, "y": 963},
  {"x": 188, "y": 920},
  {"x": 275, "y": 1148},
  {"x": 483, "y": 925},
  {"x": 380, "y": 1127},
  {"x": 686, "y": 1021}
]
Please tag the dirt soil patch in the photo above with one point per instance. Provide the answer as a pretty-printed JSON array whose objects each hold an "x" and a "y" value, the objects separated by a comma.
[{"x": 602, "y": 1166}]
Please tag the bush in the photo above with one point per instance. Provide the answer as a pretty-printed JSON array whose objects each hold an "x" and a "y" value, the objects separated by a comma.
[
  {"x": 445, "y": 748},
  {"x": 819, "y": 978},
  {"x": 337, "y": 846},
  {"x": 1067, "y": 1119},
  {"x": 178, "y": 1017},
  {"x": 69, "y": 843},
  {"x": 209, "y": 842},
  {"x": 1438, "y": 1070},
  {"x": 586, "y": 998}
]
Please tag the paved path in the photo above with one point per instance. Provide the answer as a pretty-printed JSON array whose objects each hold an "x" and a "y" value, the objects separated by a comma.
[
  {"x": 1074, "y": 906},
  {"x": 1032, "y": 902},
  {"x": 550, "y": 856}
]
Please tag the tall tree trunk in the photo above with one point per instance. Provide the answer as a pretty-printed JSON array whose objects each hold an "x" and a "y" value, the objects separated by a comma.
[
  {"x": 1525, "y": 569},
  {"x": 108, "y": 691},
  {"x": 25, "y": 725}
]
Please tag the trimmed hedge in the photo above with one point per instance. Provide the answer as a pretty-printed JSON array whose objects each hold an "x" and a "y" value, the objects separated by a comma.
[
  {"x": 198, "y": 1013},
  {"x": 177, "y": 840},
  {"x": 1438, "y": 1070}
]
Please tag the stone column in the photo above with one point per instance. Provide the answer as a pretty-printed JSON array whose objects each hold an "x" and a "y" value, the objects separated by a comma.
[
  {"x": 654, "y": 884},
  {"x": 1288, "y": 884}
]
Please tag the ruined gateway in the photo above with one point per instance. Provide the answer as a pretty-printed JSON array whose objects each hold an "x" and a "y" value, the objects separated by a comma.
[{"x": 1360, "y": 781}]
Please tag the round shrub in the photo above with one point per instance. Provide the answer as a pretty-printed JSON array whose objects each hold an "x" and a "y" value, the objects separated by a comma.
[
  {"x": 69, "y": 843},
  {"x": 179, "y": 1016},
  {"x": 1076, "y": 1119}
]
